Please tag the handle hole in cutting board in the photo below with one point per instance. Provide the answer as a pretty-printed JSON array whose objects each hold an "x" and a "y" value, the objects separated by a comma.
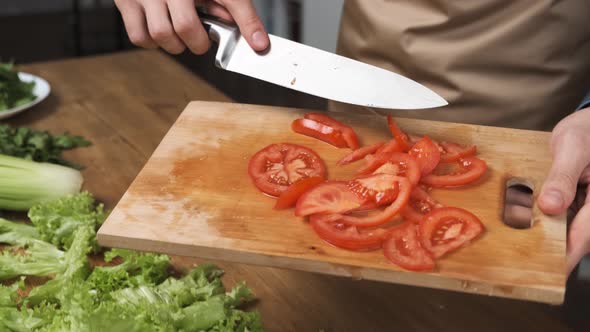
[{"x": 518, "y": 204}]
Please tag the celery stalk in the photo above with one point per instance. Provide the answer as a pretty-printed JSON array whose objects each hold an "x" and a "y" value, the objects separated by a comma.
[{"x": 24, "y": 183}]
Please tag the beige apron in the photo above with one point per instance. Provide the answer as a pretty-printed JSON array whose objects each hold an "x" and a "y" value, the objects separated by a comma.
[{"x": 520, "y": 63}]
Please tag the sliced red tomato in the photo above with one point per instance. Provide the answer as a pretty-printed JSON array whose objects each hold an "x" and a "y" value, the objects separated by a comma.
[
  {"x": 375, "y": 190},
  {"x": 413, "y": 139},
  {"x": 462, "y": 172},
  {"x": 372, "y": 162},
  {"x": 347, "y": 237},
  {"x": 420, "y": 204},
  {"x": 453, "y": 152},
  {"x": 360, "y": 153},
  {"x": 290, "y": 196},
  {"x": 401, "y": 138},
  {"x": 332, "y": 197},
  {"x": 426, "y": 154},
  {"x": 388, "y": 213},
  {"x": 347, "y": 132},
  {"x": 320, "y": 131},
  {"x": 391, "y": 146},
  {"x": 277, "y": 166},
  {"x": 403, "y": 249},
  {"x": 394, "y": 163},
  {"x": 449, "y": 228}
]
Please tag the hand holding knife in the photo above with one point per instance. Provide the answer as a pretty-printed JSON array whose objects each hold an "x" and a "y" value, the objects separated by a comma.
[{"x": 293, "y": 65}]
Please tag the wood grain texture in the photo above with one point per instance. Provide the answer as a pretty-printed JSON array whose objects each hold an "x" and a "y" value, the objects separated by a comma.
[
  {"x": 194, "y": 198},
  {"x": 288, "y": 300}
]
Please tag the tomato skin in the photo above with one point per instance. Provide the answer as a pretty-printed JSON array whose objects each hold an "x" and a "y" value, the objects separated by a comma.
[
  {"x": 453, "y": 152},
  {"x": 360, "y": 153},
  {"x": 426, "y": 153},
  {"x": 348, "y": 133},
  {"x": 274, "y": 168},
  {"x": 405, "y": 188},
  {"x": 420, "y": 204},
  {"x": 446, "y": 229},
  {"x": 347, "y": 237},
  {"x": 330, "y": 197},
  {"x": 401, "y": 138},
  {"x": 319, "y": 131},
  {"x": 391, "y": 146},
  {"x": 472, "y": 168},
  {"x": 372, "y": 162},
  {"x": 403, "y": 249},
  {"x": 290, "y": 196}
]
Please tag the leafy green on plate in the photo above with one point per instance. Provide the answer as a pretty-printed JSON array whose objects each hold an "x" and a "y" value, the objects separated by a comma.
[{"x": 13, "y": 91}]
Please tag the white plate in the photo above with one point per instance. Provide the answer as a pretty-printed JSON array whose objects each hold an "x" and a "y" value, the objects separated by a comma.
[{"x": 41, "y": 91}]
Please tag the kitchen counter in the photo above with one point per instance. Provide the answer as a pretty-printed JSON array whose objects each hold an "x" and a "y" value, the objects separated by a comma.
[{"x": 125, "y": 103}]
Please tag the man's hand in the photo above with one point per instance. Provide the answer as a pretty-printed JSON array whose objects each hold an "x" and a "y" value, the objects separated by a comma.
[
  {"x": 567, "y": 183},
  {"x": 174, "y": 24}
]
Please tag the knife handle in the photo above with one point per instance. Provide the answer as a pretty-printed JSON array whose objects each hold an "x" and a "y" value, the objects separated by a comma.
[
  {"x": 224, "y": 34},
  {"x": 210, "y": 21}
]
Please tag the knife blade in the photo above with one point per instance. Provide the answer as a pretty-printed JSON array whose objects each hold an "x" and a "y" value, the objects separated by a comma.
[{"x": 316, "y": 72}]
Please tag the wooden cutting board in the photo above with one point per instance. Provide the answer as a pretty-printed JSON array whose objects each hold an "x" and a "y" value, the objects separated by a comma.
[{"x": 194, "y": 198}]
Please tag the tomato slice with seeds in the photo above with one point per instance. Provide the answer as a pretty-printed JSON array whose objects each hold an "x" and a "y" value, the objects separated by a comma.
[
  {"x": 453, "y": 152},
  {"x": 331, "y": 197},
  {"x": 420, "y": 204},
  {"x": 462, "y": 172},
  {"x": 290, "y": 196},
  {"x": 347, "y": 132},
  {"x": 388, "y": 213},
  {"x": 375, "y": 190},
  {"x": 360, "y": 153},
  {"x": 347, "y": 237},
  {"x": 403, "y": 249},
  {"x": 401, "y": 138},
  {"x": 319, "y": 131},
  {"x": 277, "y": 166},
  {"x": 446, "y": 229},
  {"x": 426, "y": 153}
]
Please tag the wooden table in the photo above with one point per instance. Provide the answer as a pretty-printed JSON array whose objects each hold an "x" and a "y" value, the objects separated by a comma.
[{"x": 125, "y": 103}]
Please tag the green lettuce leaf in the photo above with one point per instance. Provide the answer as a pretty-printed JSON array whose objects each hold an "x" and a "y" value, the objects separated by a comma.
[
  {"x": 16, "y": 233},
  {"x": 75, "y": 268},
  {"x": 38, "y": 259},
  {"x": 136, "y": 269},
  {"x": 57, "y": 220}
]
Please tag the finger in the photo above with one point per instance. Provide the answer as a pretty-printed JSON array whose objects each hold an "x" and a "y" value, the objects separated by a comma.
[
  {"x": 569, "y": 161},
  {"x": 218, "y": 11},
  {"x": 579, "y": 237},
  {"x": 160, "y": 27},
  {"x": 518, "y": 197},
  {"x": 249, "y": 23},
  {"x": 188, "y": 26},
  {"x": 135, "y": 23}
]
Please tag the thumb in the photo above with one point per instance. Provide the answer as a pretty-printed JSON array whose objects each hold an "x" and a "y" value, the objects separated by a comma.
[{"x": 570, "y": 158}]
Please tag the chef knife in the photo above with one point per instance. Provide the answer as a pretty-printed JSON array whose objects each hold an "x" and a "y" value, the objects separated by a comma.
[{"x": 310, "y": 70}]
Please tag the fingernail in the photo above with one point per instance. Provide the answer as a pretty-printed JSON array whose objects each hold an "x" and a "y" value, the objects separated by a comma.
[
  {"x": 259, "y": 40},
  {"x": 553, "y": 198}
]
